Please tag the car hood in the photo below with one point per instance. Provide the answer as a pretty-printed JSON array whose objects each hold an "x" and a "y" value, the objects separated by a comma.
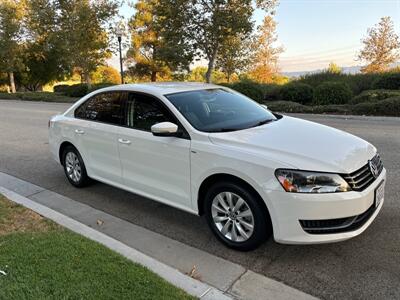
[{"x": 301, "y": 144}]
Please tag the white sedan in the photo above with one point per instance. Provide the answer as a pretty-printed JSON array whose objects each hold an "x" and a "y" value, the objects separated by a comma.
[{"x": 211, "y": 151}]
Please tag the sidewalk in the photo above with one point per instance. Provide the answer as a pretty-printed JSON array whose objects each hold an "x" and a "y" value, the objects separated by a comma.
[{"x": 211, "y": 276}]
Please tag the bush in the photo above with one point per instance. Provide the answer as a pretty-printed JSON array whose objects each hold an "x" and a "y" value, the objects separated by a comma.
[
  {"x": 374, "y": 95},
  {"x": 296, "y": 92},
  {"x": 332, "y": 93},
  {"x": 98, "y": 86},
  {"x": 389, "y": 81},
  {"x": 357, "y": 82},
  {"x": 273, "y": 93},
  {"x": 287, "y": 106},
  {"x": 76, "y": 90},
  {"x": 60, "y": 88},
  {"x": 37, "y": 96},
  {"x": 387, "y": 107},
  {"x": 251, "y": 89}
]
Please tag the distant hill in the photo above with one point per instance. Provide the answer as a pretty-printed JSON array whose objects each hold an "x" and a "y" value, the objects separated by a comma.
[{"x": 346, "y": 70}]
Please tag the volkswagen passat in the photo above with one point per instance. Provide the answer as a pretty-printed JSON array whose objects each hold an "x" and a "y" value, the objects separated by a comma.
[{"x": 211, "y": 151}]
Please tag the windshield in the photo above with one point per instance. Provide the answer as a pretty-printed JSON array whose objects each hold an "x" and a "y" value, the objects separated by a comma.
[{"x": 219, "y": 110}]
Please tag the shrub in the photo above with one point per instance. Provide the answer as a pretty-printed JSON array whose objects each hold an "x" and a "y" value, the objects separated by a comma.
[
  {"x": 60, "y": 88},
  {"x": 76, "y": 90},
  {"x": 37, "y": 96},
  {"x": 389, "y": 81},
  {"x": 387, "y": 107},
  {"x": 273, "y": 93},
  {"x": 99, "y": 86},
  {"x": 332, "y": 93},
  {"x": 287, "y": 106},
  {"x": 357, "y": 82},
  {"x": 374, "y": 95},
  {"x": 297, "y": 92},
  {"x": 251, "y": 89}
]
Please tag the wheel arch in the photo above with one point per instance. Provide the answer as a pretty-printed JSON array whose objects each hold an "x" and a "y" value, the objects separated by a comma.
[
  {"x": 218, "y": 177},
  {"x": 63, "y": 145}
]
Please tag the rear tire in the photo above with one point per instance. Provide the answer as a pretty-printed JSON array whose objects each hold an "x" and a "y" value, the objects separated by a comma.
[
  {"x": 236, "y": 216},
  {"x": 74, "y": 167}
]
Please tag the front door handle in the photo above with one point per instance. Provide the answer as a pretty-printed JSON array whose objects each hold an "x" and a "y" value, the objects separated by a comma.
[
  {"x": 78, "y": 131},
  {"x": 123, "y": 141}
]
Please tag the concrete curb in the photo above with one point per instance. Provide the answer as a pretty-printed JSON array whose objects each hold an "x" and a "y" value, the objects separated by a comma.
[{"x": 173, "y": 276}]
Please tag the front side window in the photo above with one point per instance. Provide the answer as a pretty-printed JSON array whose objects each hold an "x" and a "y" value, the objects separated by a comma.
[
  {"x": 103, "y": 107},
  {"x": 143, "y": 111},
  {"x": 219, "y": 110}
]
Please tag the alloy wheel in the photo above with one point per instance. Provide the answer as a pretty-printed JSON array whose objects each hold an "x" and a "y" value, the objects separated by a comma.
[
  {"x": 73, "y": 167},
  {"x": 232, "y": 216}
]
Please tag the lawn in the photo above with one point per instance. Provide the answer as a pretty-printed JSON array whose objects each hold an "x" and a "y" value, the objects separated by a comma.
[{"x": 45, "y": 261}]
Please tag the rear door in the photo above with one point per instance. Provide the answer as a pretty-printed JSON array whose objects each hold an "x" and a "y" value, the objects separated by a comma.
[
  {"x": 97, "y": 135},
  {"x": 154, "y": 166}
]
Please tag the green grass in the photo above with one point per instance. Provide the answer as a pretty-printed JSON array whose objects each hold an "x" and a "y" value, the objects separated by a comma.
[
  {"x": 38, "y": 96},
  {"x": 45, "y": 261}
]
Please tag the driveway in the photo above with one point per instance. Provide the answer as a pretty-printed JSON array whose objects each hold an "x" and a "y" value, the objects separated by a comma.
[{"x": 366, "y": 267}]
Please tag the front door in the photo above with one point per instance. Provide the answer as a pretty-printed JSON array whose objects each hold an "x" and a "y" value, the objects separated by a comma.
[{"x": 157, "y": 167}]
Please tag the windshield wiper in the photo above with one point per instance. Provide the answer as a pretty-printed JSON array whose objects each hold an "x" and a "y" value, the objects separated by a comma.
[
  {"x": 263, "y": 122},
  {"x": 225, "y": 129}
]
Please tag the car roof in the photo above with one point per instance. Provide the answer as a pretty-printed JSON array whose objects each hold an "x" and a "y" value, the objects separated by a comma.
[{"x": 164, "y": 88}]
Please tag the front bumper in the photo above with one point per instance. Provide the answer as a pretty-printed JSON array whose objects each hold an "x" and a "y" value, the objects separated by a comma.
[{"x": 288, "y": 209}]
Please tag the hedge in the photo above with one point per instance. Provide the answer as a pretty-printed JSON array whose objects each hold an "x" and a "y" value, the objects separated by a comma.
[
  {"x": 79, "y": 90},
  {"x": 386, "y": 107},
  {"x": 389, "y": 81},
  {"x": 357, "y": 82},
  {"x": 374, "y": 95},
  {"x": 332, "y": 93},
  {"x": 297, "y": 92},
  {"x": 37, "y": 96}
]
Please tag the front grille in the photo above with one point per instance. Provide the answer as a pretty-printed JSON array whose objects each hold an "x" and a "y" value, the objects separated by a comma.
[
  {"x": 362, "y": 178},
  {"x": 337, "y": 225}
]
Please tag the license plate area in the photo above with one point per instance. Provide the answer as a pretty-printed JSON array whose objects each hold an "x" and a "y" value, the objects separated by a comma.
[{"x": 379, "y": 193}]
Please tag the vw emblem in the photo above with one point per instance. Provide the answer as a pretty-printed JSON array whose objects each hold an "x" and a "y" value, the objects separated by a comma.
[{"x": 374, "y": 168}]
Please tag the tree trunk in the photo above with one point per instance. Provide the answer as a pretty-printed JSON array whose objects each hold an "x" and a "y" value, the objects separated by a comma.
[
  {"x": 12, "y": 82},
  {"x": 88, "y": 80},
  {"x": 153, "y": 76},
  {"x": 211, "y": 62}
]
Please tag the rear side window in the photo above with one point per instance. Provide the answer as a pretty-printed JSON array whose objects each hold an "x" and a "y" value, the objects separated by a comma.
[
  {"x": 143, "y": 111},
  {"x": 103, "y": 107}
]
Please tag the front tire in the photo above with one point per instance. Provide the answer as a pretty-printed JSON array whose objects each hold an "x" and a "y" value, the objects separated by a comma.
[
  {"x": 236, "y": 216},
  {"x": 74, "y": 167}
]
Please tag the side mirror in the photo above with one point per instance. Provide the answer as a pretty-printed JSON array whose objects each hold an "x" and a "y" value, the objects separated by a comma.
[
  {"x": 164, "y": 129},
  {"x": 264, "y": 106}
]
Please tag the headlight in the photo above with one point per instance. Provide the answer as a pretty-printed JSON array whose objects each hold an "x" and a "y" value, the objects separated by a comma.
[{"x": 311, "y": 182}]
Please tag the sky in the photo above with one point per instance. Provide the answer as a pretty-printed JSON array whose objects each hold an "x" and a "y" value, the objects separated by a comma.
[{"x": 316, "y": 32}]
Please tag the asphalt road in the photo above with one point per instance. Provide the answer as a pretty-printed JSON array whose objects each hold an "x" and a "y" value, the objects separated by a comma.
[{"x": 366, "y": 267}]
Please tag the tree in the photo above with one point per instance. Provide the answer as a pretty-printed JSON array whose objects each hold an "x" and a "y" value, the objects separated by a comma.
[
  {"x": 85, "y": 24},
  {"x": 41, "y": 55},
  {"x": 106, "y": 74},
  {"x": 334, "y": 68},
  {"x": 11, "y": 15},
  {"x": 266, "y": 53},
  {"x": 155, "y": 50},
  {"x": 198, "y": 74},
  {"x": 215, "y": 21},
  {"x": 234, "y": 55},
  {"x": 380, "y": 47}
]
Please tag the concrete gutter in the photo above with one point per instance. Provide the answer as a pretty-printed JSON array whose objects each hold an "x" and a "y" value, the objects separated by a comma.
[{"x": 214, "y": 277}]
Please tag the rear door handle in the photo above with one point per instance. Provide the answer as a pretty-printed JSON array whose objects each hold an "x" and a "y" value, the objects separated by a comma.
[
  {"x": 123, "y": 141},
  {"x": 78, "y": 131}
]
